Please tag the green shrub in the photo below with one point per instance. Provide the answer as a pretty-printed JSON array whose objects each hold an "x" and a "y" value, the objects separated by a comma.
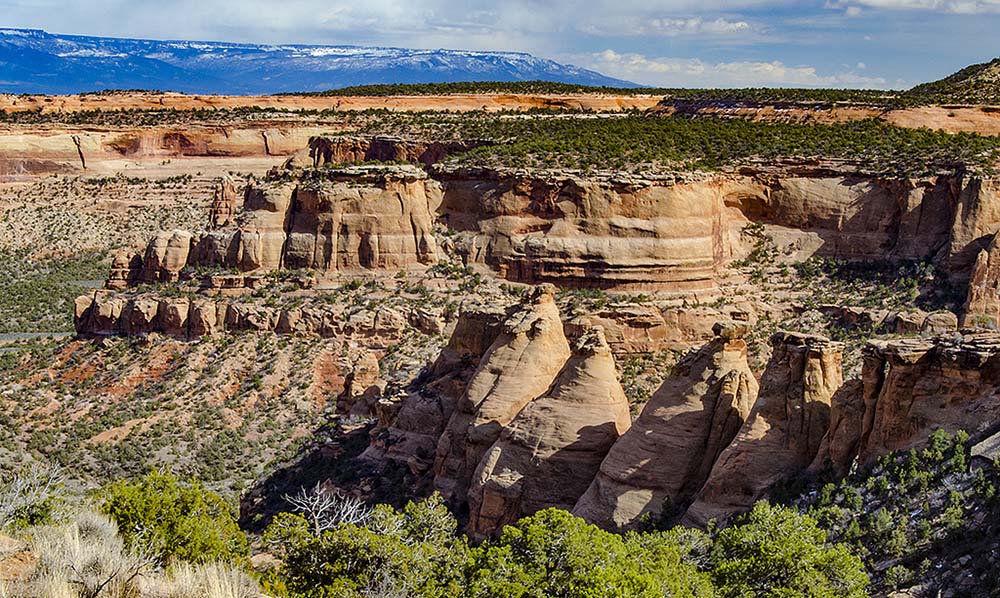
[
  {"x": 775, "y": 551},
  {"x": 175, "y": 520}
]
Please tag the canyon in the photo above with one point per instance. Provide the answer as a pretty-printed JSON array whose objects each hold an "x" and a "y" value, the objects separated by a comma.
[
  {"x": 522, "y": 409},
  {"x": 637, "y": 346}
]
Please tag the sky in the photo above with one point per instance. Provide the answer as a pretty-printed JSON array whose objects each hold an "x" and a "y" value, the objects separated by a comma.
[{"x": 892, "y": 44}]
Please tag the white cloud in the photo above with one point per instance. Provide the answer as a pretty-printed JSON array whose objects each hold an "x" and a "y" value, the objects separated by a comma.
[
  {"x": 669, "y": 27},
  {"x": 692, "y": 72},
  {"x": 853, "y": 7}
]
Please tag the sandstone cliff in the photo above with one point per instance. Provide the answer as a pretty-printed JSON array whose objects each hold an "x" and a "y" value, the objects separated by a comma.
[
  {"x": 519, "y": 366},
  {"x": 671, "y": 233},
  {"x": 982, "y": 304},
  {"x": 105, "y": 313},
  {"x": 365, "y": 218},
  {"x": 336, "y": 150},
  {"x": 547, "y": 456},
  {"x": 668, "y": 453},
  {"x": 915, "y": 386},
  {"x": 783, "y": 433}
]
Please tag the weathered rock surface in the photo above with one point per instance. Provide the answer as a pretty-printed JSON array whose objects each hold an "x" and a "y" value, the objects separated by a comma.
[
  {"x": 361, "y": 389},
  {"x": 106, "y": 313},
  {"x": 225, "y": 203},
  {"x": 547, "y": 456},
  {"x": 841, "y": 443},
  {"x": 409, "y": 430},
  {"x": 982, "y": 305},
  {"x": 679, "y": 235},
  {"x": 519, "y": 366},
  {"x": 670, "y": 449},
  {"x": 363, "y": 218},
  {"x": 915, "y": 386},
  {"x": 784, "y": 431},
  {"x": 349, "y": 149}
]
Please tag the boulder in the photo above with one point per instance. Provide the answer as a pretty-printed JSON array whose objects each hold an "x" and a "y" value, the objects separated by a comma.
[{"x": 940, "y": 321}]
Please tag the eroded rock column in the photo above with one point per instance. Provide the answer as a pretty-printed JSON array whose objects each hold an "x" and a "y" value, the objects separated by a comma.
[
  {"x": 784, "y": 431},
  {"x": 668, "y": 452},
  {"x": 551, "y": 451}
]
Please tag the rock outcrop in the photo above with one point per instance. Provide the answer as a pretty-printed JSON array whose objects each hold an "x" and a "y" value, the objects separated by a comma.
[
  {"x": 351, "y": 149},
  {"x": 547, "y": 456},
  {"x": 361, "y": 218},
  {"x": 783, "y": 434},
  {"x": 839, "y": 448},
  {"x": 519, "y": 366},
  {"x": 409, "y": 430},
  {"x": 669, "y": 451},
  {"x": 680, "y": 234},
  {"x": 915, "y": 386},
  {"x": 225, "y": 203},
  {"x": 105, "y": 313},
  {"x": 982, "y": 305}
]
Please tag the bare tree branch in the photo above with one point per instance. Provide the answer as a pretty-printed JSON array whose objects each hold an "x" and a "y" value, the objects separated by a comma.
[{"x": 325, "y": 509}]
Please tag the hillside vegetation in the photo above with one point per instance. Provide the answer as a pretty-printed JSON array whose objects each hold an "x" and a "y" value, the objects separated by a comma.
[{"x": 976, "y": 84}]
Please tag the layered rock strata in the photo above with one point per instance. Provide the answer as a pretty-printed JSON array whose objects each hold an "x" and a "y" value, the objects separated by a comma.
[
  {"x": 982, "y": 304},
  {"x": 365, "y": 218},
  {"x": 913, "y": 387},
  {"x": 325, "y": 150},
  {"x": 519, "y": 366},
  {"x": 547, "y": 456},
  {"x": 783, "y": 434},
  {"x": 667, "y": 454},
  {"x": 105, "y": 313},
  {"x": 671, "y": 233}
]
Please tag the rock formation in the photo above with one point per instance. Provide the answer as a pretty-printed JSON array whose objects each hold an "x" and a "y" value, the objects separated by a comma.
[
  {"x": 409, "y": 430},
  {"x": 679, "y": 234},
  {"x": 519, "y": 366},
  {"x": 224, "y": 203},
  {"x": 783, "y": 433},
  {"x": 839, "y": 447},
  {"x": 548, "y": 455},
  {"x": 365, "y": 218},
  {"x": 915, "y": 386},
  {"x": 104, "y": 313},
  {"x": 348, "y": 149},
  {"x": 668, "y": 452},
  {"x": 982, "y": 305}
]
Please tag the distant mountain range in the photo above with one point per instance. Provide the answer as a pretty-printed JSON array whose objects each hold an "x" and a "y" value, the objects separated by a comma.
[{"x": 33, "y": 61}]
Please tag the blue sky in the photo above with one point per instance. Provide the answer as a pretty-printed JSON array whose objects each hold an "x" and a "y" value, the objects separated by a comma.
[{"x": 703, "y": 43}]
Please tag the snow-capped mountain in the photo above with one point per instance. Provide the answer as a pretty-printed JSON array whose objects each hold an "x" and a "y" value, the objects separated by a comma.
[{"x": 33, "y": 61}]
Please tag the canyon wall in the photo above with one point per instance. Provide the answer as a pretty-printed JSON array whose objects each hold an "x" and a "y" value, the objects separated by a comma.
[
  {"x": 783, "y": 433},
  {"x": 343, "y": 220},
  {"x": 673, "y": 235}
]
